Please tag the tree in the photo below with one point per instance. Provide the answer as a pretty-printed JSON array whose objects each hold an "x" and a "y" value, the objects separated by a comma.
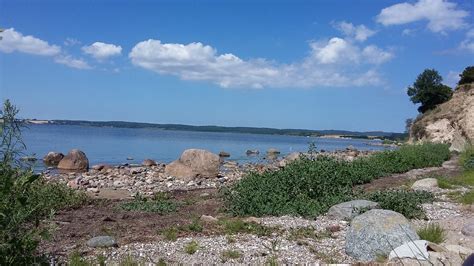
[
  {"x": 429, "y": 91},
  {"x": 467, "y": 76},
  {"x": 408, "y": 124}
]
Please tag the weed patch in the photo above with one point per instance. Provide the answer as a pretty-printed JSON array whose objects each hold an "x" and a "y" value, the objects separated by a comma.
[
  {"x": 432, "y": 232},
  {"x": 191, "y": 247},
  {"x": 160, "y": 203}
]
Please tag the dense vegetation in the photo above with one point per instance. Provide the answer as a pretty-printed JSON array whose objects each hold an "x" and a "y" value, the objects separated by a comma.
[
  {"x": 309, "y": 186},
  {"x": 25, "y": 199},
  {"x": 429, "y": 91},
  {"x": 467, "y": 76}
]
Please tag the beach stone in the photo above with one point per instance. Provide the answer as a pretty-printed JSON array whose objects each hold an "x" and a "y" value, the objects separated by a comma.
[
  {"x": 375, "y": 232},
  {"x": 53, "y": 158},
  {"x": 75, "y": 160},
  {"x": 273, "y": 151},
  {"x": 350, "y": 209},
  {"x": 457, "y": 249},
  {"x": 101, "y": 242},
  {"x": 289, "y": 158},
  {"x": 194, "y": 163},
  {"x": 102, "y": 167},
  {"x": 417, "y": 249},
  {"x": 149, "y": 163},
  {"x": 224, "y": 154},
  {"x": 252, "y": 152},
  {"x": 425, "y": 184},
  {"x": 468, "y": 229}
]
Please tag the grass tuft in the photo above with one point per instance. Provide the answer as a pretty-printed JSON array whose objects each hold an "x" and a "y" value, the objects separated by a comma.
[
  {"x": 159, "y": 204},
  {"x": 191, "y": 247},
  {"x": 433, "y": 233}
]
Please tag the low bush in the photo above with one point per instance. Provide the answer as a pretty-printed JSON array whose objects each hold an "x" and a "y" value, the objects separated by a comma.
[
  {"x": 466, "y": 159},
  {"x": 432, "y": 232},
  {"x": 309, "y": 186},
  {"x": 406, "y": 202}
]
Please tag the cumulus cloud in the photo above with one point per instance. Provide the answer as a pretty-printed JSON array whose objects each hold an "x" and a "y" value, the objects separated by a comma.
[
  {"x": 468, "y": 43},
  {"x": 336, "y": 62},
  {"x": 441, "y": 15},
  {"x": 71, "y": 42},
  {"x": 72, "y": 62},
  {"x": 13, "y": 41},
  {"x": 101, "y": 51},
  {"x": 359, "y": 33}
]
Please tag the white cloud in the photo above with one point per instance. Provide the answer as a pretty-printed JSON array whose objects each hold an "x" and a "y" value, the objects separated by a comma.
[
  {"x": 101, "y": 51},
  {"x": 13, "y": 41},
  {"x": 72, "y": 62},
  {"x": 441, "y": 15},
  {"x": 71, "y": 42},
  {"x": 359, "y": 33},
  {"x": 336, "y": 62},
  {"x": 468, "y": 43}
]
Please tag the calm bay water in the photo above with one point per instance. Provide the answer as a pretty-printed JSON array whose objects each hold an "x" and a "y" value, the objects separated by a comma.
[{"x": 114, "y": 145}]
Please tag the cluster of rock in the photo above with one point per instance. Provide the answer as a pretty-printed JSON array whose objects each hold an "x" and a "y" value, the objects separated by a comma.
[{"x": 75, "y": 160}]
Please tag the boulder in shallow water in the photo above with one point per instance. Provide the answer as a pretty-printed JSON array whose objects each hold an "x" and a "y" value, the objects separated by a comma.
[
  {"x": 194, "y": 163},
  {"x": 53, "y": 158},
  {"x": 252, "y": 152},
  {"x": 273, "y": 151},
  {"x": 224, "y": 154},
  {"x": 75, "y": 160},
  {"x": 376, "y": 233}
]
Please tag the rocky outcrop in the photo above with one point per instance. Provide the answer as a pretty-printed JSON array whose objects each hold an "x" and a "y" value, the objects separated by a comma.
[
  {"x": 451, "y": 122},
  {"x": 149, "y": 163},
  {"x": 194, "y": 163},
  {"x": 75, "y": 160},
  {"x": 53, "y": 158},
  {"x": 376, "y": 233}
]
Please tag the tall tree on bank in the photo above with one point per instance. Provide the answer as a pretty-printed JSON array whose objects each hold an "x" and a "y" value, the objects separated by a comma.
[
  {"x": 428, "y": 90},
  {"x": 467, "y": 76}
]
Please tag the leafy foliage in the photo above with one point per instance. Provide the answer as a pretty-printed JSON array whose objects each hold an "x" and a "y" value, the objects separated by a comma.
[
  {"x": 467, "y": 76},
  {"x": 25, "y": 198},
  {"x": 432, "y": 232},
  {"x": 406, "y": 202},
  {"x": 310, "y": 186},
  {"x": 467, "y": 158},
  {"x": 429, "y": 91}
]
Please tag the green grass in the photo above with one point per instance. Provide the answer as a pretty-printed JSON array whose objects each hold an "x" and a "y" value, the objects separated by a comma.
[
  {"x": 236, "y": 226},
  {"x": 406, "y": 202},
  {"x": 195, "y": 226},
  {"x": 467, "y": 198},
  {"x": 307, "y": 232},
  {"x": 230, "y": 254},
  {"x": 466, "y": 158},
  {"x": 160, "y": 203},
  {"x": 170, "y": 234},
  {"x": 432, "y": 232},
  {"x": 308, "y": 187},
  {"x": 191, "y": 247}
]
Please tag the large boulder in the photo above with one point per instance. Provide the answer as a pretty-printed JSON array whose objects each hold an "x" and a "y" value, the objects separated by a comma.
[
  {"x": 376, "y": 233},
  {"x": 425, "y": 184},
  {"x": 350, "y": 209},
  {"x": 53, "y": 158},
  {"x": 75, "y": 160},
  {"x": 194, "y": 163}
]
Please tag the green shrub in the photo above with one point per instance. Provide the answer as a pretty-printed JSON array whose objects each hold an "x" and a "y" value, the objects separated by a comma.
[
  {"x": 432, "y": 232},
  {"x": 466, "y": 159},
  {"x": 195, "y": 226},
  {"x": 191, "y": 247},
  {"x": 25, "y": 198},
  {"x": 467, "y": 76},
  {"x": 406, "y": 202},
  {"x": 160, "y": 203},
  {"x": 308, "y": 187}
]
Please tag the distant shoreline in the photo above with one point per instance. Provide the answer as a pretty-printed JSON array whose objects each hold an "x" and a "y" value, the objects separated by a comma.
[{"x": 222, "y": 129}]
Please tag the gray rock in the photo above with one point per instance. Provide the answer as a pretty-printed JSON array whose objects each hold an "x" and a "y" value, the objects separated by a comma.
[
  {"x": 425, "y": 184},
  {"x": 290, "y": 158},
  {"x": 101, "y": 242},
  {"x": 377, "y": 232},
  {"x": 252, "y": 152},
  {"x": 53, "y": 158},
  {"x": 224, "y": 154},
  {"x": 209, "y": 219},
  {"x": 417, "y": 249},
  {"x": 350, "y": 209},
  {"x": 273, "y": 151},
  {"x": 149, "y": 163},
  {"x": 468, "y": 229},
  {"x": 75, "y": 160},
  {"x": 194, "y": 163}
]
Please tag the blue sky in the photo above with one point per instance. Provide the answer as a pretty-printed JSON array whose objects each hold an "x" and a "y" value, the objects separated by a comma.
[{"x": 284, "y": 64}]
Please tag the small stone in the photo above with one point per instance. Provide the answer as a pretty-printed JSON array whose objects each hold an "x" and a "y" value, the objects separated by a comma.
[
  {"x": 102, "y": 242},
  {"x": 468, "y": 229},
  {"x": 93, "y": 190},
  {"x": 425, "y": 184},
  {"x": 209, "y": 219},
  {"x": 204, "y": 195}
]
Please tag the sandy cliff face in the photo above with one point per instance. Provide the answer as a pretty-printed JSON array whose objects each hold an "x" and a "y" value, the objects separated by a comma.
[{"x": 451, "y": 122}]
